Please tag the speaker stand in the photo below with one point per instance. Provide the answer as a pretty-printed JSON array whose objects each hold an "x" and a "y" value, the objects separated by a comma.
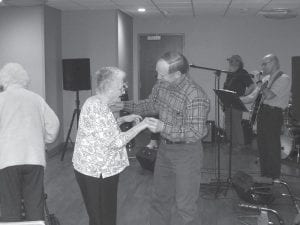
[{"x": 76, "y": 112}]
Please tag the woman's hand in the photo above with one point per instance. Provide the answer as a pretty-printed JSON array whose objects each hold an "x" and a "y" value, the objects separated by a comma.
[
  {"x": 154, "y": 125},
  {"x": 131, "y": 118}
]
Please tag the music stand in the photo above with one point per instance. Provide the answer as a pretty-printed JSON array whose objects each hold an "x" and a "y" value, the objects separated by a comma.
[{"x": 230, "y": 100}]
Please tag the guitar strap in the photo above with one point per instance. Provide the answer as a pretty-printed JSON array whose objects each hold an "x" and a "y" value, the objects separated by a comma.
[
  {"x": 259, "y": 99},
  {"x": 277, "y": 75}
]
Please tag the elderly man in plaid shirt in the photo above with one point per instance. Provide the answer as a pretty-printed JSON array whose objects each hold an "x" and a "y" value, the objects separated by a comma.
[{"x": 182, "y": 107}]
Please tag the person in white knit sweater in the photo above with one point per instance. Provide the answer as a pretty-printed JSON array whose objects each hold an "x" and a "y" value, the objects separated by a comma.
[{"x": 26, "y": 124}]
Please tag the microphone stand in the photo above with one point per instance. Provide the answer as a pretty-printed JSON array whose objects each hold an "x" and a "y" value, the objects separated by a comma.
[
  {"x": 208, "y": 68},
  {"x": 217, "y": 73}
]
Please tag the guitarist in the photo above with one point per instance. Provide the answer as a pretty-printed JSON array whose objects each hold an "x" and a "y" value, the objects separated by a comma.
[{"x": 275, "y": 98}]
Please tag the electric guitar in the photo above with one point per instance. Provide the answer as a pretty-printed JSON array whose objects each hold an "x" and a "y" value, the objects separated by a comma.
[{"x": 255, "y": 108}]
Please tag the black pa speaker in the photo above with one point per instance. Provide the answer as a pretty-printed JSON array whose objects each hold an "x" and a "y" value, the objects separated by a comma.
[
  {"x": 76, "y": 74},
  {"x": 250, "y": 191}
]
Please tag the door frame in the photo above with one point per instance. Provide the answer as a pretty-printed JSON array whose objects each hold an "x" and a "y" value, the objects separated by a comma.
[{"x": 139, "y": 51}]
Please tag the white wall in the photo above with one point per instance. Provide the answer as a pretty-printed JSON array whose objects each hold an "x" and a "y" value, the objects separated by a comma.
[
  {"x": 209, "y": 41},
  {"x": 125, "y": 48},
  {"x": 22, "y": 41},
  {"x": 87, "y": 34},
  {"x": 53, "y": 65}
]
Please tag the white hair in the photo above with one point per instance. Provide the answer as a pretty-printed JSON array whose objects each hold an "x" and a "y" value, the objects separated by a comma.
[
  {"x": 13, "y": 73},
  {"x": 106, "y": 76}
]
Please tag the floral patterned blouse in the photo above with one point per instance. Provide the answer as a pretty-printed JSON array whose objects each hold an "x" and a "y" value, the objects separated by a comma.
[{"x": 100, "y": 144}]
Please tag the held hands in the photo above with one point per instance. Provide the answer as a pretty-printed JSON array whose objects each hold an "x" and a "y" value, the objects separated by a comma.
[
  {"x": 132, "y": 118},
  {"x": 154, "y": 125}
]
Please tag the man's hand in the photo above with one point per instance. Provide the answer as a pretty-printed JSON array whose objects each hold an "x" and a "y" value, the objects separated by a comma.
[
  {"x": 154, "y": 125},
  {"x": 117, "y": 106}
]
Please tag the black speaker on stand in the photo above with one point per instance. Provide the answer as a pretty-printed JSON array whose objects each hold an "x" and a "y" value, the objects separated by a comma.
[{"x": 76, "y": 77}]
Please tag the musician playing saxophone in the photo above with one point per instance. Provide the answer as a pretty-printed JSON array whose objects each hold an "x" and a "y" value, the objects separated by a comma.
[{"x": 275, "y": 98}]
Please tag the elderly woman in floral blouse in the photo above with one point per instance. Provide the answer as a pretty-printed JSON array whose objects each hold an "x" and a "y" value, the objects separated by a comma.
[{"x": 100, "y": 152}]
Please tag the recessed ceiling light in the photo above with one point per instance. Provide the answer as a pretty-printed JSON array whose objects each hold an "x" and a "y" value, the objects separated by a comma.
[{"x": 141, "y": 10}]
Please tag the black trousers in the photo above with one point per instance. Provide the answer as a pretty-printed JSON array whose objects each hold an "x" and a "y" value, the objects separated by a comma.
[
  {"x": 269, "y": 123},
  {"x": 22, "y": 182},
  {"x": 100, "y": 198}
]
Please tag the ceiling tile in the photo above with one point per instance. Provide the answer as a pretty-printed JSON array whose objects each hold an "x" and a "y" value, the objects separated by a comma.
[
  {"x": 131, "y": 2},
  {"x": 65, "y": 5},
  {"x": 171, "y": 1},
  {"x": 178, "y": 7},
  {"x": 94, "y": 4},
  {"x": 213, "y": 8}
]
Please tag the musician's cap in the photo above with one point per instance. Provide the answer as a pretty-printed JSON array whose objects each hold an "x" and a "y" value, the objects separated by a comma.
[{"x": 235, "y": 58}]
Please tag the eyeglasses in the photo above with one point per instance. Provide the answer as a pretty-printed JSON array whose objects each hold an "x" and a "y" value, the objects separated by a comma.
[
  {"x": 161, "y": 74},
  {"x": 265, "y": 63}
]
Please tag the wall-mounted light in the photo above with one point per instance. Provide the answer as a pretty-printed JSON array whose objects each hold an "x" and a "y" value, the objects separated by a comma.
[{"x": 141, "y": 10}]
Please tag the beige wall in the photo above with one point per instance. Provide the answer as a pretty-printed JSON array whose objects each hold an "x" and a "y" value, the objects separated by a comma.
[
  {"x": 125, "y": 48},
  {"x": 22, "y": 41},
  {"x": 209, "y": 41},
  {"x": 53, "y": 65},
  {"x": 104, "y": 37},
  {"x": 87, "y": 34},
  {"x": 31, "y": 36}
]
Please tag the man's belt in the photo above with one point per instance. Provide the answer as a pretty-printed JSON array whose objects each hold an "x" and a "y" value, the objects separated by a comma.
[
  {"x": 168, "y": 142},
  {"x": 270, "y": 107}
]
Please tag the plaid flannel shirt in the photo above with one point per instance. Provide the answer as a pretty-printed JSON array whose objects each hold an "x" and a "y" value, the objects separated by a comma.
[{"x": 182, "y": 107}]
